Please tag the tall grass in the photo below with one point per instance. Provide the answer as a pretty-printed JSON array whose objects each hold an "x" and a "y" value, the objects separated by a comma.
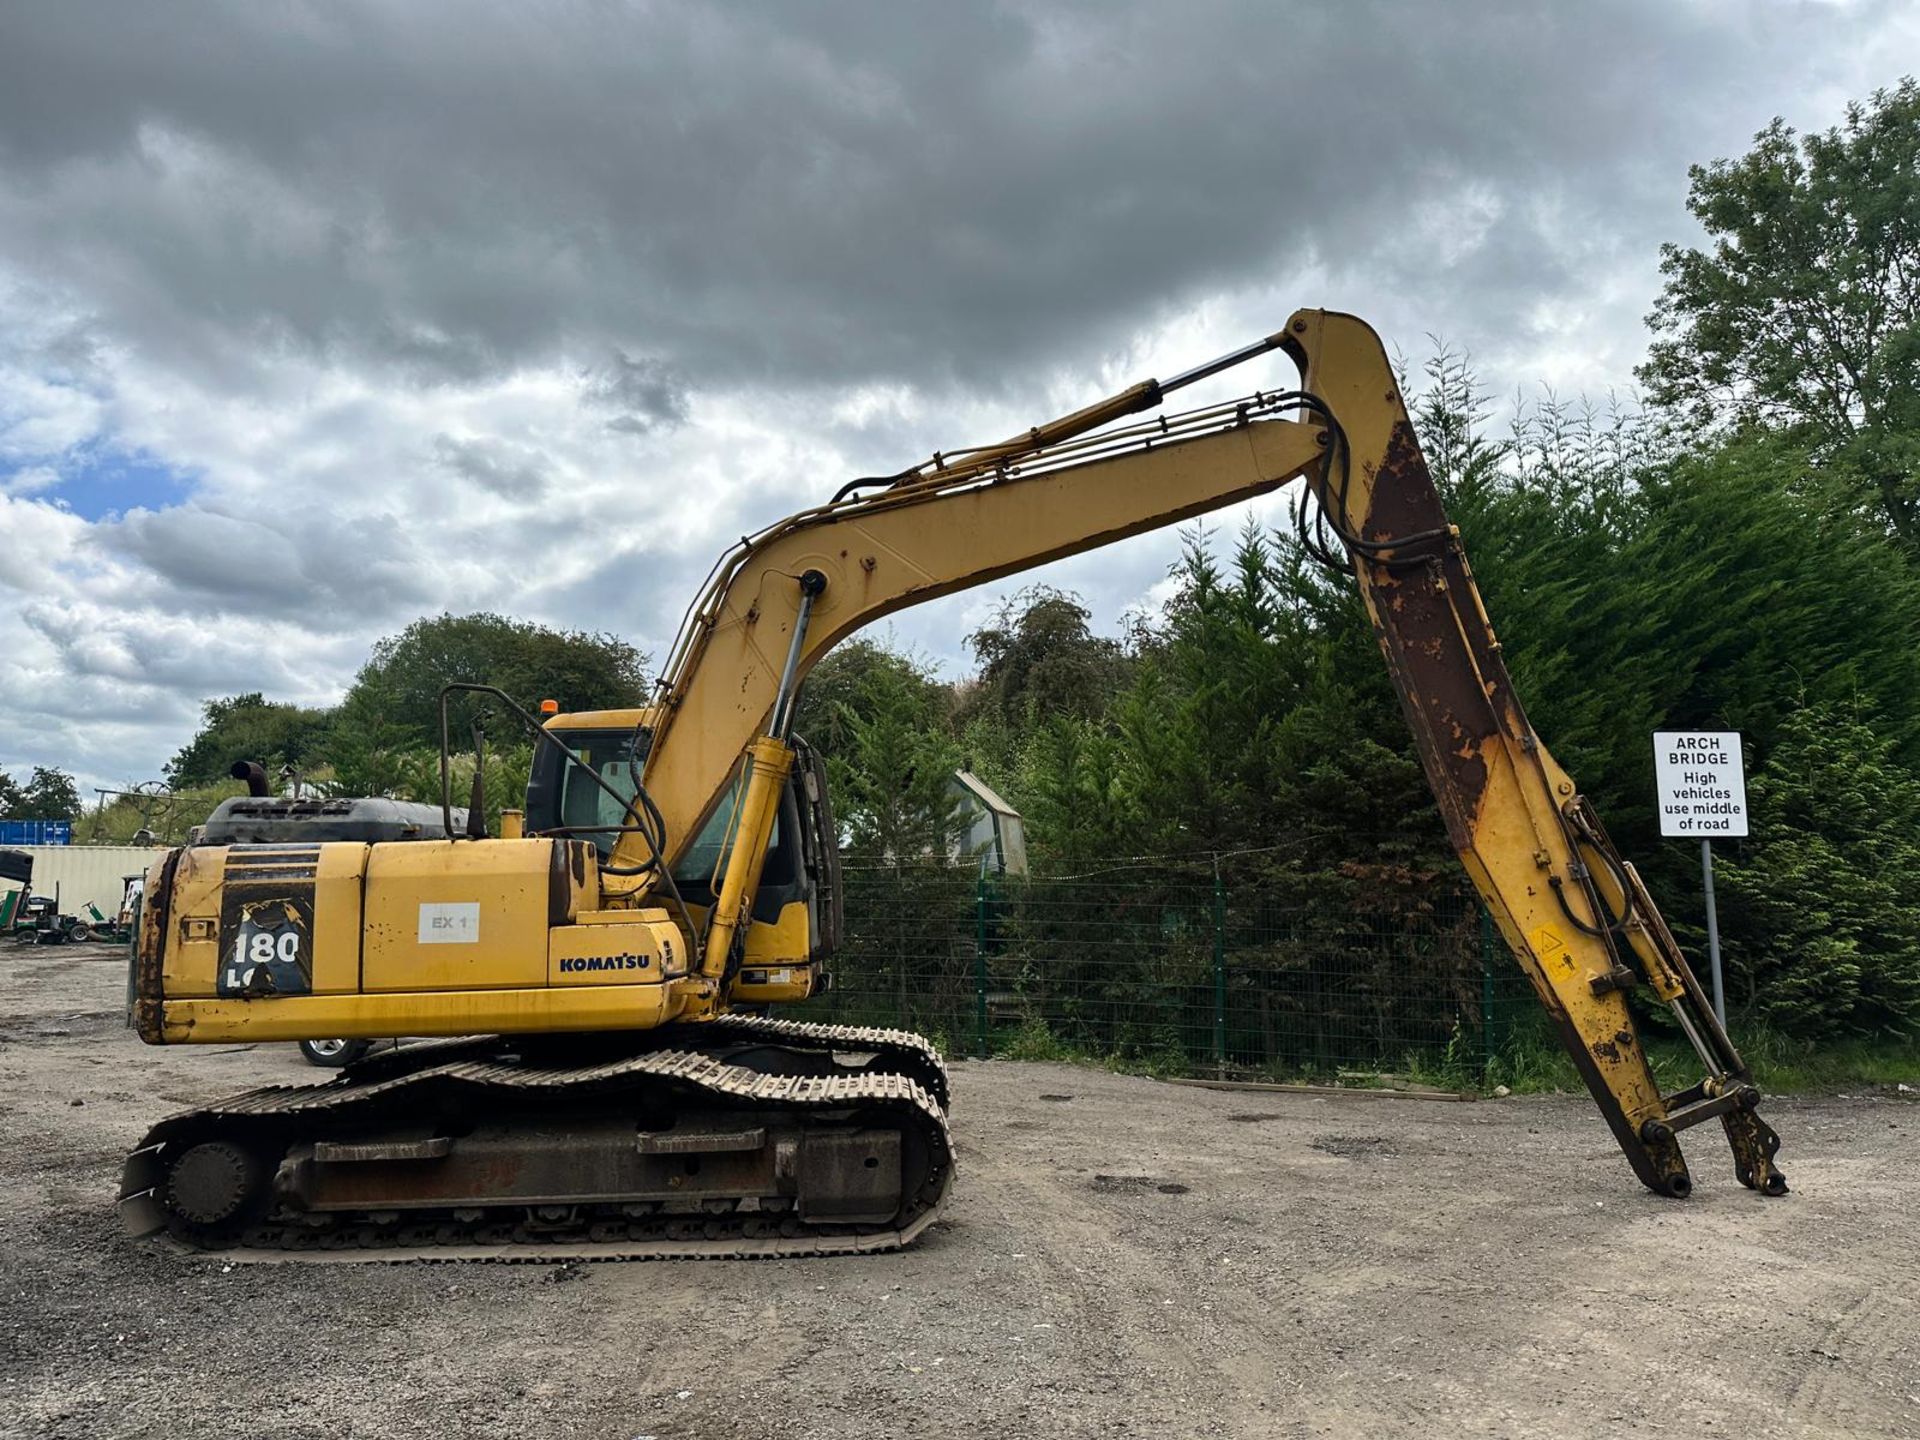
[{"x": 1534, "y": 1062}]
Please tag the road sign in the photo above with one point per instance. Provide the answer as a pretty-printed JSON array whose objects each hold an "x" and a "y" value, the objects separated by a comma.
[
  {"x": 1703, "y": 793},
  {"x": 1702, "y": 783}
]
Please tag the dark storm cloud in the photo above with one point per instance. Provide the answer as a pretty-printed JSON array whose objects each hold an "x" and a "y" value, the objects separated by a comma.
[
  {"x": 645, "y": 394},
  {"x": 799, "y": 193},
  {"x": 508, "y": 471},
  {"x": 299, "y": 562}
]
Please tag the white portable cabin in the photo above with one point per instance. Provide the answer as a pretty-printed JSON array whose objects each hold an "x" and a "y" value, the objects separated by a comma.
[{"x": 88, "y": 874}]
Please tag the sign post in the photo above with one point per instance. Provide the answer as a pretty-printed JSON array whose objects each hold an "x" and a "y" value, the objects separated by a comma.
[
  {"x": 1703, "y": 791},
  {"x": 1713, "y": 933}
]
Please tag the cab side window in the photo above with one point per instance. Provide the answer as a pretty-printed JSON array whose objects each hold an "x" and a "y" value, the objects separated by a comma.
[
  {"x": 585, "y": 807},
  {"x": 699, "y": 866}
]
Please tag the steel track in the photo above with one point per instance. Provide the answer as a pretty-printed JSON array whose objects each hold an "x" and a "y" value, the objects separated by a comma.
[{"x": 485, "y": 1074}]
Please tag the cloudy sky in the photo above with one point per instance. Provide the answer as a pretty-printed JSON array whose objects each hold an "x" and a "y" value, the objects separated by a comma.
[{"x": 317, "y": 318}]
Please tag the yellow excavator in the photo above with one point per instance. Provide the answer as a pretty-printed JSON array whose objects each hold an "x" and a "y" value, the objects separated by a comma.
[{"x": 609, "y": 960}]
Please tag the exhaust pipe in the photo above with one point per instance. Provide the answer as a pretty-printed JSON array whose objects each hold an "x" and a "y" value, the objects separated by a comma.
[{"x": 254, "y": 774}]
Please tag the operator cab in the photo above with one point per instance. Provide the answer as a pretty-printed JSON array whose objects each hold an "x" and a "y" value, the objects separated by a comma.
[{"x": 803, "y": 855}]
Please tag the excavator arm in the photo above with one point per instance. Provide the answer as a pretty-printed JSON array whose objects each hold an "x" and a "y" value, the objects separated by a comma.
[
  {"x": 1568, "y": 906},
  {"x": 1573, "y": 913}
]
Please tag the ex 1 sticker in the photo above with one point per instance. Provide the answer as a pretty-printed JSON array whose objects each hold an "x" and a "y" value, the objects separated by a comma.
[{"x": 457, "y": 923}]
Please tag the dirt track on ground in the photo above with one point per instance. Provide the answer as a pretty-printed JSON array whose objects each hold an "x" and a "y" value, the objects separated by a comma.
[{"x": 1122, "y": 1258}]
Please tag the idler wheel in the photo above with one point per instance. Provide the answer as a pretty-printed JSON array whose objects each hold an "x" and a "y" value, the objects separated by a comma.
[{"x": 211, "y": 1183}]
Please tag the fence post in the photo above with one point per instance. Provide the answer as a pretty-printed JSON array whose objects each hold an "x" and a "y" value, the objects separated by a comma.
[
  {"x": 901, "y": 908},
  {"x": 1486, "y": 991},
  {"x": 1219, "y": 971},
  {"x": 980, "y": 963}
]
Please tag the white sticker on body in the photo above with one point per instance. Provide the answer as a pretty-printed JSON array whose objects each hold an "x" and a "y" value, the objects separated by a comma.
[{"x": 450, "y": 924}]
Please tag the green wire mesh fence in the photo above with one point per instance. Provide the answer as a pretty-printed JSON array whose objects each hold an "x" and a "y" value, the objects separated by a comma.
[{"x": 1195, "y": 969}]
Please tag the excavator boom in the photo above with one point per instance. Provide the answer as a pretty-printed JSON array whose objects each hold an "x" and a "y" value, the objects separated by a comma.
[{"x": 1572, "y": 912}]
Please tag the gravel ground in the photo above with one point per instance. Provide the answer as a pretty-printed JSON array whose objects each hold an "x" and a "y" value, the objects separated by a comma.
[{"x": 1121, "y": 1258}]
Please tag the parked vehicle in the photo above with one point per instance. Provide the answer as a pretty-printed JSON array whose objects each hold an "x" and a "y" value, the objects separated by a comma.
[
  {"x": 333, "y": 1054},
  {"x": 16, "y": 868}
]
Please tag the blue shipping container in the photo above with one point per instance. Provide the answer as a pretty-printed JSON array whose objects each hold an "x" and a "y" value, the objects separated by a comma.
[{"x": 36, "y": 832}]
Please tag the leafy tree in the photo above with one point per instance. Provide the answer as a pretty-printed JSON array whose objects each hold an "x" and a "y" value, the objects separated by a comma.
[
  {"x": 892, "y": 775},
  {"x": 49, "y": 794},
  {"x": 248, "y": 727},
  {"x": 1039, "y": 659},
  {"x": 1076, "y": 791},
  {"x": 372, "y": 742},
  {"x": 371, "y": 753},
  {"x": 843, "y": 687},
  {"x": 1451, "y": 417},
  {"x": 385, "y": 735},
  {"x": 1823, "y": 902},
  {"x": 401, "y": 681},
  {"x": 1262, "y": 718},
  {"x": 1805, "y": 311},
  {"x": 1731, "y": 586}
]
